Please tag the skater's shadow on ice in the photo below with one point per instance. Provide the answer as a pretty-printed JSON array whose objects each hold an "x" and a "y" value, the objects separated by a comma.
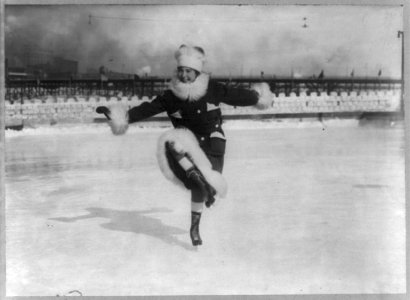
[{"x": 134, "y": 221}]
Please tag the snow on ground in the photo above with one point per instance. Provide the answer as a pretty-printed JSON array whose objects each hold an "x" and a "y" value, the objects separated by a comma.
[
  {"x": 74, "y": 128},
  {"x": 311, "y": 209}
]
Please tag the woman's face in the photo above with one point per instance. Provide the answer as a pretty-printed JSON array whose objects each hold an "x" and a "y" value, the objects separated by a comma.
[{"x": 186, "y": 75}]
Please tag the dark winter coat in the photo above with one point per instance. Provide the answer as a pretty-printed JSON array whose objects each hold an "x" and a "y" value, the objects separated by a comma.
[{"x": 203, "y": 116}]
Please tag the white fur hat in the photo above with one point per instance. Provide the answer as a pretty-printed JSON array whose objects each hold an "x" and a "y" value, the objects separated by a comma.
[{"x": 191, "y": 57}]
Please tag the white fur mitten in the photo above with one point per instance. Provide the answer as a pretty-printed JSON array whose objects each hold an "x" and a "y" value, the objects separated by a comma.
[
  {"x": 119, "y": 118},
  {"x": 265, "y": 95}
]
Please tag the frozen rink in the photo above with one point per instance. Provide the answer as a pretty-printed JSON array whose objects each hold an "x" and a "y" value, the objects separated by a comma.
[{"x": 310, "y": 210}]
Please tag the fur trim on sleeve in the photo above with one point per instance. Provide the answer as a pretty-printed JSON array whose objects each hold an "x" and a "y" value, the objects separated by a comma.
[
  {"x": 265, "y": 95},
  {"x": 184, "y": 140},
  {"x": 119, "y": 118}
]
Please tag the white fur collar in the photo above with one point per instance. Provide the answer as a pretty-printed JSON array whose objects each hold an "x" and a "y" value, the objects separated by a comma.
[{"x": 190, "y": 91}]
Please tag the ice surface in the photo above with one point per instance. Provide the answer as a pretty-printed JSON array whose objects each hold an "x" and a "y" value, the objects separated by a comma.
[
  {"x": 311, "y": 209},
  {"x": 160, "y": 125}
]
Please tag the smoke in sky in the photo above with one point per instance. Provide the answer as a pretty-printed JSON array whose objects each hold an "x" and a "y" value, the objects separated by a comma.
[
  {"x": 238, "y": 40},
  {"x": 63, "y": 32}
]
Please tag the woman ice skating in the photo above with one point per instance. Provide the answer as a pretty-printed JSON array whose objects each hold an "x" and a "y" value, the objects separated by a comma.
[{"x": 192, "y": 154}]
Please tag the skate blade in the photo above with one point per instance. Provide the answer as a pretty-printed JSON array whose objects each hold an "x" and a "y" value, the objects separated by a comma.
[
  {"x": 213, "y": 205},
  {"x": 196, "y": 248}
]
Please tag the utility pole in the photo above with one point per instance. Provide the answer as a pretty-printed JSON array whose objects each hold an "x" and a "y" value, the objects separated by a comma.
[{"x": 400, "y": 34}]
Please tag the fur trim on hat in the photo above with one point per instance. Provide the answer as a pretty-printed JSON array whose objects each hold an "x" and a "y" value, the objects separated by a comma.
[
  {"x": 191, "y": 57},
  {"x": 265, "y": 95},
  {"x": 119, "y": 118},
  {"x": 185, "y": 140},
  {"x": 190, "y": 91}
]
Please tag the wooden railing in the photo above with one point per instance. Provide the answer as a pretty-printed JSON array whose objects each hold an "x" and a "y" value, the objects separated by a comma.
[{"x": 27, "y": 89}]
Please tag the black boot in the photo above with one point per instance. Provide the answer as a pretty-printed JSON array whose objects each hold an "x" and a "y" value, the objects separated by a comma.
[
  {"x": 194, "y": 231},
  {"x": 210, "y": 201},
  {"x": 196, "y": 176}
]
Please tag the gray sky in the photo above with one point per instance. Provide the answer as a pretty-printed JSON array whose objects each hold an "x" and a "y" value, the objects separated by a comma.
[{"x": 238, "y": 40}]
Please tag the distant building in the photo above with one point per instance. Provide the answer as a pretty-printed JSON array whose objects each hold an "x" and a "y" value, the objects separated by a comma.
[
  {"x": 62, "y": 68},
  {"x": 36, "y": 57},
  {"x": 41, "y": 64},
  {"x": 104, "y": 74},
  {"x": 15, "y": 73}
]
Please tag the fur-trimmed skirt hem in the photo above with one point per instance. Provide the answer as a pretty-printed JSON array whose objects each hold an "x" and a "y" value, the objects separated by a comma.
[{"x": 184, "y": 140}]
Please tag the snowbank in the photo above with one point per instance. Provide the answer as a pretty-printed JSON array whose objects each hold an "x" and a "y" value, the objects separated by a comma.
[{"x": 102, "y": 128}]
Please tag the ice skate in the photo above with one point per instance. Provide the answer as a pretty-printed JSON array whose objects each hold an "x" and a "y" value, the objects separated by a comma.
[
  {"x": 194, "y": 230},
  {"x": 195, "y": 175},
  {"x": 210, "y": 201}
]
